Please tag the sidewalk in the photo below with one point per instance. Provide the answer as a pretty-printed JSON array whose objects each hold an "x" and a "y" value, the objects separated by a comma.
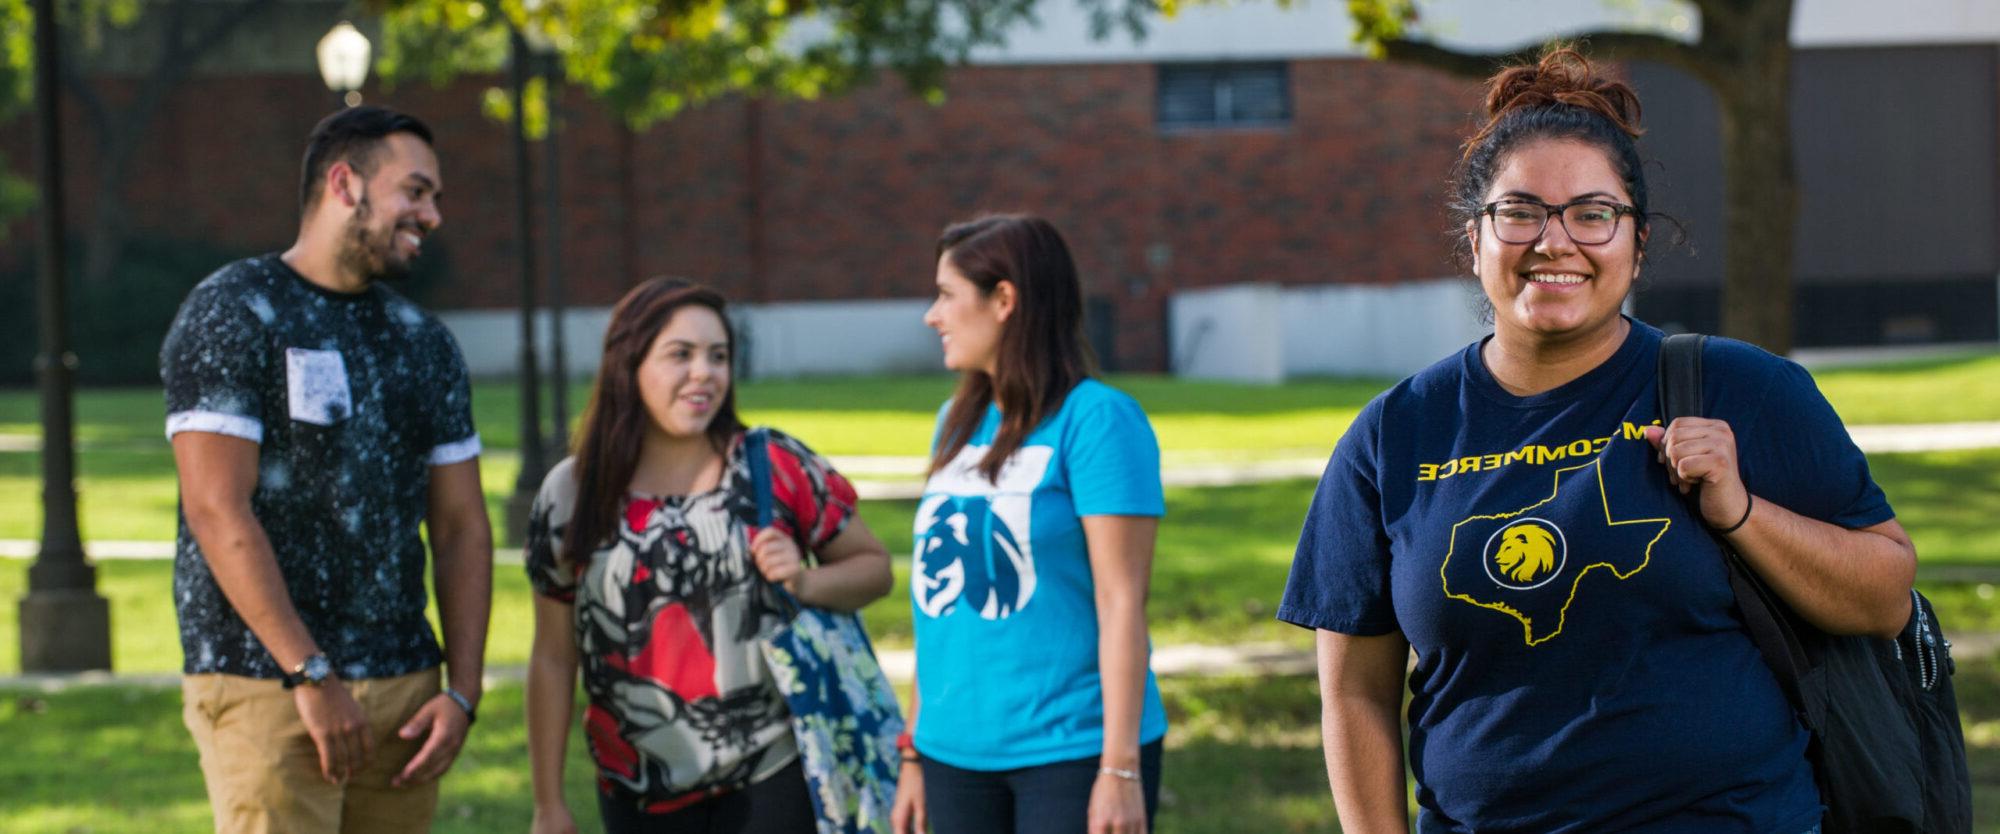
[
  {"x": 1252, "y": 659},
  {"x": 898, "y": 664},
  {"x": 893, "y": 478},
  {"x": 898, "y": 477}
]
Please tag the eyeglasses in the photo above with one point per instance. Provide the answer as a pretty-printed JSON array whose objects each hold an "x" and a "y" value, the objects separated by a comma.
[{"x": 1588, "y": 222}]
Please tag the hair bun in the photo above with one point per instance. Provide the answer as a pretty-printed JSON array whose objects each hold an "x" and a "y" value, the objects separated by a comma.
[{"x": 1563, "y": 76}]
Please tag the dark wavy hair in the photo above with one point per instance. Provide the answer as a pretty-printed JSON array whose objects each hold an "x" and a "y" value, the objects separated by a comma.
[
  {"x": 615, "y": 422},
  {"x": 1042, "y": 353},
  {"x": 1560, "y": 96}
]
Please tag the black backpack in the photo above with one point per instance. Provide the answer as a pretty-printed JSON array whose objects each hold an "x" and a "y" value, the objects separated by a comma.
[{"x": 1887, "y": 748}]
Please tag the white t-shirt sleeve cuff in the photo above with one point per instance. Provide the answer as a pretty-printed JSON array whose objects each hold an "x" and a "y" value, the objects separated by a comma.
[
  {"x": 456, "y": 452},
  {"x": 215, "y": 422}
]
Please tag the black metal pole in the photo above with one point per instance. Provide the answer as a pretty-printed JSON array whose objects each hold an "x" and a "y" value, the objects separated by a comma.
[
  {"x": 533, "y": 467},
  {"x": 552, "y": 76},
  {"x": 65, "y": 625}
]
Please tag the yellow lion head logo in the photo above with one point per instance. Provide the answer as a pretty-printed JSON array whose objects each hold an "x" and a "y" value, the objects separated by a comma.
[{"x": 1526, "y": 552}]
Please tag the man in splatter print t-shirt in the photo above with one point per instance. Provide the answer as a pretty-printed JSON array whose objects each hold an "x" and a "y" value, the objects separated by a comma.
[{"x": 318, "y": 419}]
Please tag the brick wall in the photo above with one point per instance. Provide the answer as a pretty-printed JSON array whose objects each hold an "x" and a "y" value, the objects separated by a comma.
[{"x": 842, "y": 198}]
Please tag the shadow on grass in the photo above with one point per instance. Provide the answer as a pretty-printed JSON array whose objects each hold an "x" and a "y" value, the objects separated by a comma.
[{"x": 1948, "y": 501}]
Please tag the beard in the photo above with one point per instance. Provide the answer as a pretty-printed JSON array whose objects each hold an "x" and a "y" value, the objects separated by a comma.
[{"x": 371, "y": 252}]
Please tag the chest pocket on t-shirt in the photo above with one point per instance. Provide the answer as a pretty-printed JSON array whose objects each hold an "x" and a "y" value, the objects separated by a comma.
[{"x": 316, "y": 389}]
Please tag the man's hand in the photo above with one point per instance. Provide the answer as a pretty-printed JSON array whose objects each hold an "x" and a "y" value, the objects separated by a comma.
[
  {"x": 446, "y": 724},
  {"x": 553, "y": 819},
  {"x": 337, "y": 726}
]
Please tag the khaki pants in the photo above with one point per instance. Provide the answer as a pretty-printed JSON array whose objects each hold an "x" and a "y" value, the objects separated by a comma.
[{"x": 263, "y": 771}]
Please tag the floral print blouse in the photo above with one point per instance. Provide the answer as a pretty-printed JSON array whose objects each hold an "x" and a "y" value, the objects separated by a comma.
[{"x": 669, "y": 614}]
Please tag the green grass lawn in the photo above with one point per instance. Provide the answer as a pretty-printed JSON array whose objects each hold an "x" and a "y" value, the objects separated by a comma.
[
  {"x": 1244, "y": 752},
  {"x": 1242, "y": 756},
  {"x": 1221, "y": 562},
  {"x": 128, "y": 492}
]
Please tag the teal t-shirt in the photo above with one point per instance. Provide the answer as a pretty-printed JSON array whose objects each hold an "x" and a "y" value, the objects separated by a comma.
[{"x": 1005, "y": 609}]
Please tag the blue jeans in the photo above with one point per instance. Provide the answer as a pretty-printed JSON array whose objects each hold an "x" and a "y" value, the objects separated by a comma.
[{"x": 1045, "y": 799}]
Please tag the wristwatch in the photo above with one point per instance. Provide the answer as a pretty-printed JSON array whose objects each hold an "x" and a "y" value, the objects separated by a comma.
[{"x": 312, "y": 671}]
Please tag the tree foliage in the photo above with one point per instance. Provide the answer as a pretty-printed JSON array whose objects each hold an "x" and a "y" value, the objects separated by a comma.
[{"x": 649, "y": 59}]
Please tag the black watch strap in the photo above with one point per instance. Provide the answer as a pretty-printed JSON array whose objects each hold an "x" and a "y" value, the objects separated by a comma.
[{"x": 312, "y": 671}]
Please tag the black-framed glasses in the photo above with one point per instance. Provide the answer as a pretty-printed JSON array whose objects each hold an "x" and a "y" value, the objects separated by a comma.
[{"x": 1588, "y": 222}]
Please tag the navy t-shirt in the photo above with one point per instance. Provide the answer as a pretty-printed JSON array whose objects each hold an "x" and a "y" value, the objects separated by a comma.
[
  {"x": 351, "y": 398},
  {"x": 1581, "y": 665}
]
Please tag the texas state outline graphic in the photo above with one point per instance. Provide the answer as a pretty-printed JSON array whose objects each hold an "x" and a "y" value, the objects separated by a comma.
[{"x": 1494, "y": 598}]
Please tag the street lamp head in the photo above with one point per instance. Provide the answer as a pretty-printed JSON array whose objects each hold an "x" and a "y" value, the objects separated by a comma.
[{"x": 343, "y": 59}]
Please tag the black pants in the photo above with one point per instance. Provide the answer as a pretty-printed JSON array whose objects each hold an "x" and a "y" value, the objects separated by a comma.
[
  {"x": 777, "y": 805},
  {"x": 1045, "y": 799}
]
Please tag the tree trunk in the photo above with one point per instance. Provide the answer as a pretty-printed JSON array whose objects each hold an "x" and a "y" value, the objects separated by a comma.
[
  {"x": 1761, "y": 187},
  {"x": 122, "y": 132}
]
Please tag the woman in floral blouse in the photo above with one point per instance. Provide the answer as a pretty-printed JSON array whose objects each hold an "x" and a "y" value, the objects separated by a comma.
[{"x": 649, "y": 575}]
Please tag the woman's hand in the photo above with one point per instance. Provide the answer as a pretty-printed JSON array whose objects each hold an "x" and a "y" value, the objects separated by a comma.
[
  {"x": 553, "y": 819},
  {"x": 1701, "y": 452},
  {"x": 1117, "y": 806},
  {"x": 907, "y": 816},
  {"x": 777, "y": 557}
]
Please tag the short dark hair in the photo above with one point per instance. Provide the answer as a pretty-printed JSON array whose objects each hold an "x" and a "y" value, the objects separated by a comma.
[{"x": 354, "y": 135}]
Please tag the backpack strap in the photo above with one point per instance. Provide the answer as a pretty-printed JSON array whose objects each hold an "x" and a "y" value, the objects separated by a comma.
[
  {"x": 757, "y": 452},
  {"x": 1765, "y": 616},
  {"x": 1680, "y": 376}
]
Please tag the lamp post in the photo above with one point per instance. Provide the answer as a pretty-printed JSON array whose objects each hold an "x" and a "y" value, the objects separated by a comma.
[
  {"x": 65, "y": 625},
  {"x": 343, "y": 62},
  {"x": 552, "y": 76},
  {"x": 533, "y": 467}
]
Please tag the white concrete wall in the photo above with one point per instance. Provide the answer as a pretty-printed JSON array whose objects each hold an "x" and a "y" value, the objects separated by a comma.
[
  {"x": 820, "y": 338},
  {"x": 791, "y": 339},
  {"x": 491, "y": 339},
  {"x": 1255, "y": 29},
  {"x": 1262, "y": 29},
  {"x": 1233, "y": 333},
  {"x": 1267, "y": 333},
  {"x": 1367, "y": 330},
  {"x": 1903, "y": 22}
]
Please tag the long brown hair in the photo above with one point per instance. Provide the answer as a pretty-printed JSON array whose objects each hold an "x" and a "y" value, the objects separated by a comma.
[
  {"x": 615, "y": 423},
  {"x": 1042, "y": 354}
]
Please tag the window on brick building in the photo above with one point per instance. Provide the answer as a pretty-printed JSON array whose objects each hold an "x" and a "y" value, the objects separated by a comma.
[{"x": 1224, "y": 95}]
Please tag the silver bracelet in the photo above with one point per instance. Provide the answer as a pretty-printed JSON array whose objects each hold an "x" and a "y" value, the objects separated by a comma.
[
  {"x": 1127, "y": 775},
  {"x": 463, "y": 703}
]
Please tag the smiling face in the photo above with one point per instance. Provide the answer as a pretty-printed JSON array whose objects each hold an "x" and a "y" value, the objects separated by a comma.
[
  {"x": 685, "y": 373},
  {"x": 968, "y": 322},
  {"x": 1554, "y": 289},
  {"x": 395, "y": 209}
]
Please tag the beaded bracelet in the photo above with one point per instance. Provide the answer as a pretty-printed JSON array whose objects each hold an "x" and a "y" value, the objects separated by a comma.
[{"x": 1127, "y": 775}]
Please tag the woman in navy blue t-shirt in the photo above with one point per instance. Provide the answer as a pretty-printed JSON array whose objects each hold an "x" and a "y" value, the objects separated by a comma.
[{"x": 1580, "y": 665}]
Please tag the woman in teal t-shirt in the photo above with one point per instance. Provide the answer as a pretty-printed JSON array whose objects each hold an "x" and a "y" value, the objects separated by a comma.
[{"x": 1035, "y": 709}]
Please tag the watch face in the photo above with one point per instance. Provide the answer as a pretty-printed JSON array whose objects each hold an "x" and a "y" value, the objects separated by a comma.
[{"x": 317, "y": 669}]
